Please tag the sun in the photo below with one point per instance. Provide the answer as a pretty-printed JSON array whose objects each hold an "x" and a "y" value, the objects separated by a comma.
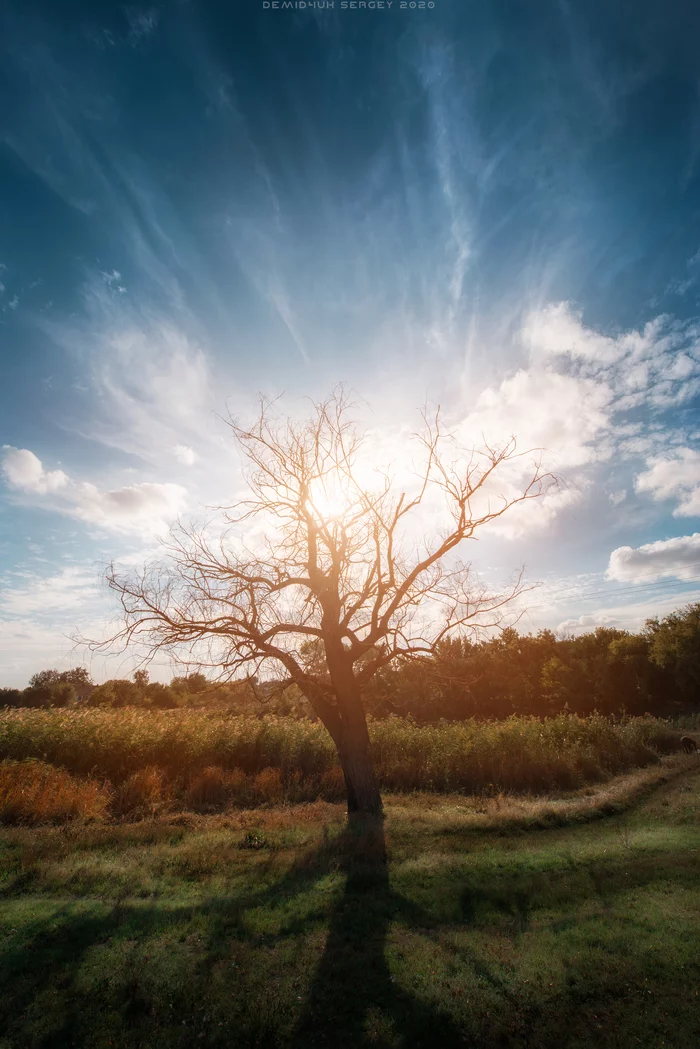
[{"x": 329, "y": 499}]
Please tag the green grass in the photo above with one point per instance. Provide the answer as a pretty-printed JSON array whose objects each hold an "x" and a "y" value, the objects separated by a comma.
[{"x": 496, "y": 922}]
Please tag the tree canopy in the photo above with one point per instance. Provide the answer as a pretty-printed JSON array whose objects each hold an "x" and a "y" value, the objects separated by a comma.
[{"x": 320, "y": 575}]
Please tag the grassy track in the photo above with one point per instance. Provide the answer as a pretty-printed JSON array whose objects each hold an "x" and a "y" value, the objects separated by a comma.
[{"x": 490, "y": 925}]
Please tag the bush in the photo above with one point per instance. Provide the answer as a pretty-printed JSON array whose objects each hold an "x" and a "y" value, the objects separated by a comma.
[
  {"x": 267, "y": 786},
  {"x": 33, "y": 792},
  {"x": 143, "y": 793},
  {"x": 117, "y": 692},
  {"x": 213, "y": 787},
  {"x": 10, "y": 697},
  {"x": 102, "y": 696},
  {"x": 56, "y": 694},
  {"x": 161, "y": 696},
  {"x": 332, "y": 785}
]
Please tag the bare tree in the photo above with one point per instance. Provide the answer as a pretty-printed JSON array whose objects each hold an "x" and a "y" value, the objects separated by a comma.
[{"x": 316, "y": 574}]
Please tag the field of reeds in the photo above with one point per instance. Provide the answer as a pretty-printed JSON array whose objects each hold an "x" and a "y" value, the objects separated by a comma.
[{"x": 137, "y": 763}]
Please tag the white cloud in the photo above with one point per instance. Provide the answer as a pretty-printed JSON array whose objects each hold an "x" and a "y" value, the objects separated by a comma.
[
  {"x": 586, "y": 623},
  {"x": 572, "y": 399},
  {"x": 567, "y": 399},
  {"x": 668, "y": 558},
  {"x": 561, "y": 414},
  {"x": 557, "y": 329},
  {"x": 23, "y": 471},
  {"x": 682, "y": 368},
  {"x": 534, "y": 516},
  {"x": 657, "y": 364},
  {"x": 148, "y": 506},
  {"x": 674, "y": 476},
  {"x": 184, "y": 454}
]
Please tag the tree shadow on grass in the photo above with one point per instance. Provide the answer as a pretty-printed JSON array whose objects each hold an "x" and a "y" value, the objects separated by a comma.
[{"x": 354, "y": 1000}]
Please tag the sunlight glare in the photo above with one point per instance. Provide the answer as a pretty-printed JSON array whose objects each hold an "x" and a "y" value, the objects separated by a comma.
[{"x": 329, "y": 498}]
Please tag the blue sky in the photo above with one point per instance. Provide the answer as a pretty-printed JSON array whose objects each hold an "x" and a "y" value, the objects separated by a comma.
[{"x": 494, "y": 206}]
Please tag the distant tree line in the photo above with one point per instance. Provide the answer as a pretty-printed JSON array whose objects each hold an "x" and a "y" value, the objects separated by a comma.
[
  {"x": 610, "y": 671},
  {"x": 48, "y": 688},
  {"x": 53, "y": 688},
  {"x": 607, "y": 670}
]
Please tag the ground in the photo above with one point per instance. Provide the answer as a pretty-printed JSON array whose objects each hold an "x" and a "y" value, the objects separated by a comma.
[{"x": 495, "y": 922}]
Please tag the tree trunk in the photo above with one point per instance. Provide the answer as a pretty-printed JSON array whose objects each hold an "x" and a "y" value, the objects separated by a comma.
[
  {"x": 364, "y": 797},
  {"x": 348, "y": 727},
  {"x": 346, "y": 722},
  {"x": 355, "y": 753}
]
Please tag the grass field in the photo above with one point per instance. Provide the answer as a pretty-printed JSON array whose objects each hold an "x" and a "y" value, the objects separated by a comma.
[
  {"x": 169, "y": 759},
  {"x": 569, "y": 921}
]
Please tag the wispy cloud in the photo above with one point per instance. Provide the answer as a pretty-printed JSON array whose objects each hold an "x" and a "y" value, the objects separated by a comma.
[
  {"x": 148, "y": 385},
  {"x": 454, "y": 182},
  {"x": 25, "y": 594},
  {"x": 142, "y": 22}
]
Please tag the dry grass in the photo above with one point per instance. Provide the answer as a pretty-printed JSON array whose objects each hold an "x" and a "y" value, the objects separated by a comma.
[
  {"x": 508, "y": 812},
  {"x": 33, "y": 792},
  {"x": 519, "y": 754},
  {"x": 213, "y": 787},
  {"x": 146, "y": 792},
  {"x": 150, "y": 764}
]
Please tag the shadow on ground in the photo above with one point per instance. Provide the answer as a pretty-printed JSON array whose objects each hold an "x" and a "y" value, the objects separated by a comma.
[
  {"x": 354, "y": 1000},
  {"x": 153, "y": 974}
]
